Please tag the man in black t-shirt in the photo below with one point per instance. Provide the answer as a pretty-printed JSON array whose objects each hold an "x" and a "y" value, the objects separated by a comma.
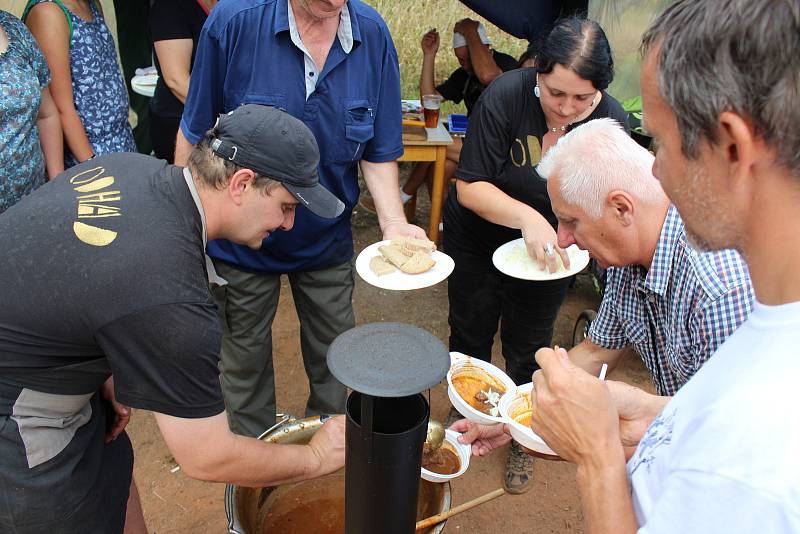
[
  {"x": 105, "y": 275},
  {"x": 480, "y": 64}
]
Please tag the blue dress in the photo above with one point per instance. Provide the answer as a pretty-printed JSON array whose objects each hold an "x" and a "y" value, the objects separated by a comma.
[
  {"x": 98, "y": 88},
  {"x": 23, "y": 77}
]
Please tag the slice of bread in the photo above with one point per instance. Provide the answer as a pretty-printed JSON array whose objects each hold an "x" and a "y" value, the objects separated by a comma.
[
  {"x": 418, "y": 263},
  {"x": 399, "y": 244},
  {"x": 380, "y": 266},
  {"x": 409, "y": 245},
  {"x": 393, "y": 255}
]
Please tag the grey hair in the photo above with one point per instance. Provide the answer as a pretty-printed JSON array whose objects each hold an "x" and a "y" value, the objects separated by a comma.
[
  {"x": 731, "y": 55},
  {"x": 213, "y": 171},
  {"x": 596, "y": 158}
]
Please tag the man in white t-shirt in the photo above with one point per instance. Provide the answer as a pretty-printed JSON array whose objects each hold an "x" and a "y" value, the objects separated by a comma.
[{"x": 721, "y": 98}]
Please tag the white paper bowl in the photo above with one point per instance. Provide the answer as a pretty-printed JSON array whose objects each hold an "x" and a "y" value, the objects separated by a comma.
[
  {"x": 456, "y": 361},
  {"x": 511, "y": 403},
  {"x": 464, "y": 452}
]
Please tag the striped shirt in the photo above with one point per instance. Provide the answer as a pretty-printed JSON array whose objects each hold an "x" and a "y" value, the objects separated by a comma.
[{"x": 679, "y": 311}]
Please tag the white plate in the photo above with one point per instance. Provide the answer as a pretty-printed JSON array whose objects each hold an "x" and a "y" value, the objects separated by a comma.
[
  {"x": 524, "y": 435},
  {"x": 146, "y": 79},
  {"x": 399, "y": 280},
  {"x": 464, "y": 408},
  {"x": 144, "y": 85},
  {"x": 464, "y": 452},
  {"x": 512, "y": 259}
]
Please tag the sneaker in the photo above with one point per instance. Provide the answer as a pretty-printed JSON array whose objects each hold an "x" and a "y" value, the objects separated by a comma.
[
  {"x": 367, "y": 203},
  {"x": 452, "y": 416},
  {"x": 519, "y": 470}
]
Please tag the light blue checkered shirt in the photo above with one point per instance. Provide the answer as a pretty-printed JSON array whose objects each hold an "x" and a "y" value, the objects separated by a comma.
[{"x": 679, "y": 311}]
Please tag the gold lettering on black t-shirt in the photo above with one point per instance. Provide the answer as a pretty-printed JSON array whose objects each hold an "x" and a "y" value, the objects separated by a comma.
[
  {"x": 534, "y": 150},
  {"x": 517, "y": 153},
  {"x": 523, "y": 153},
  {"x": 95, "y": 204}
]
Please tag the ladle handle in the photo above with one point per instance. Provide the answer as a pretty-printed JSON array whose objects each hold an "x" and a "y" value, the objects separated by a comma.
[
  {"x": 285, "y": 418},
  {"x": 438, "y": 518}
]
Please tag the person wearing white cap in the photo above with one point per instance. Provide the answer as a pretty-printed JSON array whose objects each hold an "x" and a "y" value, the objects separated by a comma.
[{"x": 480, "y": 64}]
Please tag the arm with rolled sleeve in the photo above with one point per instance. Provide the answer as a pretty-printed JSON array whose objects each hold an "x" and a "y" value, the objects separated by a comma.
[
  {"x": 606, "y": 330},
  {"x": 379, "y": 161},
  {"x": 605, "y": 342},
  {"x": 204, "y": 100}
]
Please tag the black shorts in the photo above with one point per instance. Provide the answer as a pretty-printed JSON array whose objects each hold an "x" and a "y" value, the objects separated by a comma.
[{"x": 80, "y": 487}]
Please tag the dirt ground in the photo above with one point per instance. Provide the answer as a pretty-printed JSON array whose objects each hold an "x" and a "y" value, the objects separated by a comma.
[{"x": 174, "y": 503}]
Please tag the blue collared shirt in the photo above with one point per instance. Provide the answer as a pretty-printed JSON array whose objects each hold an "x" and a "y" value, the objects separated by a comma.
[
  {"x": 246, "y": 55},
  {"x": 679, "y": 311}
]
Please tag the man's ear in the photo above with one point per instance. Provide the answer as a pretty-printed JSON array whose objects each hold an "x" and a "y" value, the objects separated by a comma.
[
  {"x": 239, "y": 182},
  {"x": 736, "y": 148},
  {"x": 620, "y": 204}
]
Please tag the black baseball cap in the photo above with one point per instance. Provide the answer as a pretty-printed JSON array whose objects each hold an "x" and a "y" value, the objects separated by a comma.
[{"x": 275, "y": 144}]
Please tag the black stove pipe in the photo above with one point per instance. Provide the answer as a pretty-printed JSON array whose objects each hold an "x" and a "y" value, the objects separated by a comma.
[{"x": 383, "y": 457}]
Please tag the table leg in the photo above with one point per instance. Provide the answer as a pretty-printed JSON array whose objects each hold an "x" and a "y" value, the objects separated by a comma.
[{"x": 436, "y": 194}]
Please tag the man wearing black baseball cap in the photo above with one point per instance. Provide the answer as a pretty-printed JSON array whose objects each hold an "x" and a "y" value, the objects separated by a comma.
[
  {"x": 275, "y": 144},
  {"x": 107, "y": 305},
  {"x": 333, "y": 65}
]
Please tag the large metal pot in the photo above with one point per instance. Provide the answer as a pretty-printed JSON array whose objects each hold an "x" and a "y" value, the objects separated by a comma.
[{"x": 246, "y": 508}]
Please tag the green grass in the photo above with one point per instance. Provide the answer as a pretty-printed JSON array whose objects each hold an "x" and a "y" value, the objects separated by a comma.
[{"x": 408, "y": 20}]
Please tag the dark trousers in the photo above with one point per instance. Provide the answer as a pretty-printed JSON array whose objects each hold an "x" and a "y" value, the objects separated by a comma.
[
  {"x": 247, "y": 305},
  {"x": 481, "y": 297},
  {"x": 82, "y": 489},
  {"x": 162, "y": 133}
]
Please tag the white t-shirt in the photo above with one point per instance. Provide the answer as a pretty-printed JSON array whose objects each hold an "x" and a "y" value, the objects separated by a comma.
[{"x": 724, "y": 454}]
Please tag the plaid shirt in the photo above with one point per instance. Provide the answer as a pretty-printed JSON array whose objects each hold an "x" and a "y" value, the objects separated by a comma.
[{"x": 677, "y": 313}]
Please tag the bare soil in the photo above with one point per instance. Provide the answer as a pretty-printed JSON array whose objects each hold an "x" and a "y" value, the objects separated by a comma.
[{"x": 174, "y": 503}]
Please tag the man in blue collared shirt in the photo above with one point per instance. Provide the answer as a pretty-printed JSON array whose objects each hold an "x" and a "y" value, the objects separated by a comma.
[
  {"x": 333, "y": 65},
  {"x": 672, "y": 304}
]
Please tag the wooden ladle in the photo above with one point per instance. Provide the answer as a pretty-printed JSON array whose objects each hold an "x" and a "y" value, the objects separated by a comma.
[{"x": 438, "y": 518}]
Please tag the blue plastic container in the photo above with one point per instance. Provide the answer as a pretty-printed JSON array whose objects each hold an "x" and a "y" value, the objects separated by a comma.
[{"x": 458, "y": 123}]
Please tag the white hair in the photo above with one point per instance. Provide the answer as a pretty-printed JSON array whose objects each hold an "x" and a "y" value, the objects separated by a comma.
[{"x": 596, "y": 158}]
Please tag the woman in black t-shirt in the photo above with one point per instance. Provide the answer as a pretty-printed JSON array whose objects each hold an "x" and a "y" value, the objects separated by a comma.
[
  {"x": 499, "y": 197},
  {"x": 175, "y": 28}
]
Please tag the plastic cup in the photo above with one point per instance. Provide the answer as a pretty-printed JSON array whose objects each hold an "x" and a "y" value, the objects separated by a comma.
[{"x": 430, "y": 108}]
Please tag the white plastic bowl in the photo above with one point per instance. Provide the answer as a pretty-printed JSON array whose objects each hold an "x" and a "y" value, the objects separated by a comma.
[
  {"x": 464, "y": 408},
  {"x": 509, "y": 404},
  {"x": 464, "y": 452}
]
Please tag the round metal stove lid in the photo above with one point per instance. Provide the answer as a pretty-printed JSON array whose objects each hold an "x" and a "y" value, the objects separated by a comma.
[{"x": 388, "y": 359}]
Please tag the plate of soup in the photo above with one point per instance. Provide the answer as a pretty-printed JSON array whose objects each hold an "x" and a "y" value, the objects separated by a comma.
[
  {"x": 516, "y": 410},
  {"x": 448, "y": 461},
  {"x": 475, "y": 388}
]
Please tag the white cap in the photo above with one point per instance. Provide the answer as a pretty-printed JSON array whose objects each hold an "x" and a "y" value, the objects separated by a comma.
[{"x": 459, "y": 40}]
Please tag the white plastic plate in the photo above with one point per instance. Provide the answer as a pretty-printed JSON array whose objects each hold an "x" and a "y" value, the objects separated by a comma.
[
  {"x": 513, "y": 259},
  {"x": 398, "y": 280}
]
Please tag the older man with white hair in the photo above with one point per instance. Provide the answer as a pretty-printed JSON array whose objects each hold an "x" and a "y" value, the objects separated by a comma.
[
  {"x": 672, "y": 304},
  {"x": 720, "y": 93}
]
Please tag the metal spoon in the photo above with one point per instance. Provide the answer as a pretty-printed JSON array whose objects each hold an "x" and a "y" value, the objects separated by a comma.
[{"x": 434, "y": 438}]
